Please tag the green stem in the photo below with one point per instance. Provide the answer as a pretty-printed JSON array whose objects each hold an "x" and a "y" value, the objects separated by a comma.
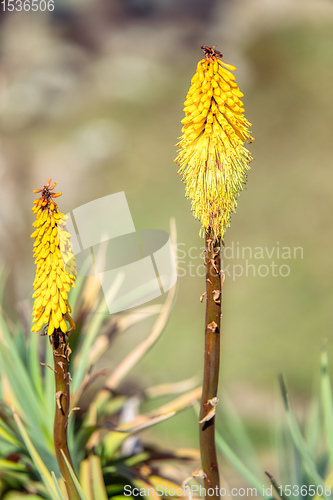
[
  {"x": 61, "y": 353},
  {"x": 211, "y": 368}
]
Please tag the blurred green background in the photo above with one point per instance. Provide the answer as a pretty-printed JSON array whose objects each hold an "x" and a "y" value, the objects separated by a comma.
[{"x": 92, "y": 96}]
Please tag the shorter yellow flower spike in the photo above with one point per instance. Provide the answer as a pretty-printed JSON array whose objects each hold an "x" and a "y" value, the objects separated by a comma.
[
  {"x": 212, "y": 159},
  {"x": 56, "y": 270}
]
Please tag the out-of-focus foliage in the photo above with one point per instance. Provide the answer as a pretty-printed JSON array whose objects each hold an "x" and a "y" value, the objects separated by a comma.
[
  {"x": 303, "y": 452},
  {"x": 105, "y": 422}
]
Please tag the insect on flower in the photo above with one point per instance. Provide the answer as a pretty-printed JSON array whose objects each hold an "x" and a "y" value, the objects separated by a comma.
[{"x": 210, "y": 52}]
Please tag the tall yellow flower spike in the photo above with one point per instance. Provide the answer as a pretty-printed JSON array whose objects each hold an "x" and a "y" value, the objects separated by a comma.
[
  {"x": 56, "y": 271},
  {"x": 212, "y": 159}
]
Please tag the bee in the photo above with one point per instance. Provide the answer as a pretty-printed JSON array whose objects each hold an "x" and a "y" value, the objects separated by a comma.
[{"x": 211, "y": 52}]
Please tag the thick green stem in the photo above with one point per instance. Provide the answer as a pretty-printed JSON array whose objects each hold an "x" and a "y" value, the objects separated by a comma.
[
  {"x": 61, "y": 353},
  {"x": 211, "y": 369}
]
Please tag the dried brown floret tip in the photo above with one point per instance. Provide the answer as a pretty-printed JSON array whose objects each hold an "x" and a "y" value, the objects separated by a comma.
[
  {"x": 46, "y": 196},
  {"x": 46, "y": 190}
]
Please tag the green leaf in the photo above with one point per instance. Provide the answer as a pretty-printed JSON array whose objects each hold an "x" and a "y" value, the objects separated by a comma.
[
  {"x": 9, "y": 465},
  {"x": 23, "y": 390},
  {"x": 313, "y": 427},
  {"x": 3, "y": 277},
  {"x": 49, "y": 383},
  {"x": 78, "y": 487},
  {"x": 298, "y": 439},
  {"x": 13, "y": 495},
  {"x": 327, "y": 403},
  {"x": 98, "y": 484},
  {"x": 7, "y": 434},
  {"x": 82, "y": 360},
  {"x": 231, "y": 456},
  {"x": 34, "y": 365},
  {"x": 240, "y": 436},
  {"x": 38, "y": 462},
  {"x": 56, "y": 484},
  {"x": 85, "y": 478},
  {"x": 80, "y": 282}
]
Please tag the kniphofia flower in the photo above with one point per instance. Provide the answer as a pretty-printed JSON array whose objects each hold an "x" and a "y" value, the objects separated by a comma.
[
  {"x": 212, "y": 158},
  {"x": 56, "y": 271}
]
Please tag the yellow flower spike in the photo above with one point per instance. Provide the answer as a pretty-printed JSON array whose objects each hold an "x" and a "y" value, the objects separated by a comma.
[
  {"x": 53, "y": 278},
  {"x": 212, "y": 158}
]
